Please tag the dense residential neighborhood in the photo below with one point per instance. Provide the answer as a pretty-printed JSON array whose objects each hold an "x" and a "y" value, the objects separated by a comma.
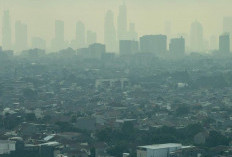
[{"x": 65, "y": 104}]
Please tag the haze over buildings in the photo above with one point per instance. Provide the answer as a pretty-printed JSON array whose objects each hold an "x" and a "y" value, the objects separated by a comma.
[
  {"x": 115, "y": 78},
  {"x": 6, "y": 30},
  {"x": 110, "y": 32},
  {"x": 126, "y": 20}
]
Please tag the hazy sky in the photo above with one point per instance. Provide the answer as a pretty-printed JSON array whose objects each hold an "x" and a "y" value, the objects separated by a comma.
[{"x": 148, "y": 15}]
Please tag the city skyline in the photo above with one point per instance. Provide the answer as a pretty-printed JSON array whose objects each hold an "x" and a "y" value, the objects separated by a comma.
[
  {"x": 81, "y": 11},
  {"x": 124, "y": 27},
  {"x": 115, "y": 78}
]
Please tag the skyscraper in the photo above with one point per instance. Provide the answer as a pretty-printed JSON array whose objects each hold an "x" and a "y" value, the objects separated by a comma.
[
  {"x": 91, "y": 37},
  {"x": 110, "y": 32},
  {"x": 224, "y": 43},
  {"x": 20, "y": 36},
  {"x": 58, "y": 42},
  {"x": 177, "y": 46},
  {"x": 227, "y": 26},
  {"x": 196, "y": 37},
  {"x": 122, "y": 22},
  {"x": 128, "y": 47},
  {"x": 132, "y": 34},
  {"x": 6, "y": 31},
  {"x": 97, "y": 50},
  {"x": 80, "y": 34},
  {"x": 156, "y": 44}
]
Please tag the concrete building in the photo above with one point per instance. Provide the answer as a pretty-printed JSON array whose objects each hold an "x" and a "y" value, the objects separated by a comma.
[
  {"x": 58, "y": 41},
  {"x": 7, "y": 146},
  {"x": 122, "y": 22},
  {"x": 224, "y": 43},
  {"x": 80, "y": 34},
  {"x": 196, "y": 37},
  {"x": 110, "y": 32},
  {"x": 158, "y": 150},
  {"x": 111, "y": 83},
  {"x": 156, "y": 44},
  {"x": 128, "y": 47},
  {"x": 6, "y": 31},
  {"x": 21, "y": 36},
  {"x": 227, "y": 26},
  {"x": 96, "y": 50},
  {"x": 177, "y": 46}
]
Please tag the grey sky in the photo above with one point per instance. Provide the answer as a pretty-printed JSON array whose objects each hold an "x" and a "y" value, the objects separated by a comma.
[{"x": 148, "y": 15}]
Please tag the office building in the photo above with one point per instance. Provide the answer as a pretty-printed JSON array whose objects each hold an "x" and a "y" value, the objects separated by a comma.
[
  {"x": 196, "y": 37},
  {"x": 128, "y": 47},
  {"x": 155, "y": 44},
  {"x": 110, "y": 32},
  {"x": 122, "y": 22},
  {"x": 227, "y": 26},
  {"x": 21, "y": 36},
  {"x": 177, "y": 46},
  {"x": 80, "y": 34},
  {"x": 224, "y": 43},
  {"x": 58, "y": 42},
  {"x": 6, "y": 31},
  {"x": 96, "y": 50}
]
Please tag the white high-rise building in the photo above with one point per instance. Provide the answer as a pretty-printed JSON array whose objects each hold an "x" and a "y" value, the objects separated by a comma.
[
  {"x": 21, "y": 36},
  {"x": 196, "y": 37},
  {"x": 122, "y": 22},
  {"x": 6, "y": 31},
  {"x": 58, "y": 42},
  {"x": 110, "y": 32}
]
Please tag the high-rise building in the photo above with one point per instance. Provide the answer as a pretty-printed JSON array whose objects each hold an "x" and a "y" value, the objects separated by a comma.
[
  {"x": 227, "y": 26},
  {"x": 110, "y": 32},
  {"x": 177, "y": 46},
  {"x": 58, "y": 42},
  {"x": 196, "y": 37},
  {"x": 38, "y": 43},
  {"x": 96, "y": 50},
  {"x": 224, "y": 43},
  {"x": 132, "y": 34},
  {"x": 122, "y": 22},
  {"x": 80, "y": 34},
  {"x": 128, "y": 47},
  {"x": 156, "y": 44},
  {"x": 20, "y": 36},
  {"x": 6, "y": 31},
  {"x": 91, "y": 37}
]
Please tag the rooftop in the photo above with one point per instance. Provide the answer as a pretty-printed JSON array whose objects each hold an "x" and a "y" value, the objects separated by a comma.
[{"x": 160, "y": 146}]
